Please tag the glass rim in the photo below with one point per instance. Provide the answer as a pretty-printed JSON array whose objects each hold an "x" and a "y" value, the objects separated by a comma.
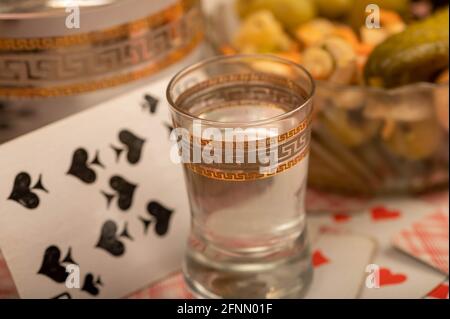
[{"x": 214, "y": 59}]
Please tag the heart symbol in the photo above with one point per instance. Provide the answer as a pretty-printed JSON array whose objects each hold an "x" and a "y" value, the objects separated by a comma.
[
  {"x": 440, "y": 292},
  {"x": 22, "y": 193},
  {"x": 380, "y": 213},
  {"x": 319, "y": 259},
  {"x": 341, "y": 217},
  {"x": 109, "y": 241},
  {"x": 79, "y": 167},
  {"x": 388, "y": 278}
]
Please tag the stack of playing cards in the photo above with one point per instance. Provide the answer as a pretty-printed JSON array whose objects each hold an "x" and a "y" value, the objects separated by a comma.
[{"x": 355, "y": 254}]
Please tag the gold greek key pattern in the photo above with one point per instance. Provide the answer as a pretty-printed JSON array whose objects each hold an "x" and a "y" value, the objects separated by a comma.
[
  {"x": 97, "y": 60},
  {"x": 288, "y": 156},
  {"x": 255, "y": 92},
  {"x": 171, "y": 13},
  {"x": 282, "y": 137},
  {"x": 300, "y": 128},
  {"x": 244, "y": 176},
  {"x": 293, "y": 146}
]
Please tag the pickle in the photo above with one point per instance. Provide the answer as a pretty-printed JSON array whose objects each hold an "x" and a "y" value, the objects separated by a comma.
[
  {"x": 318, "y": 62},
  {"x": 414, "y": 55},
  {"x": 416, "y": 140},
  {"x": 290, "y": 13}
]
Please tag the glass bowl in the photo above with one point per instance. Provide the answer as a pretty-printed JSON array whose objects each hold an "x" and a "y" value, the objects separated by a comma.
[
  {"x": 366, "y": 141},
  {"x": 370, "y": 141}
]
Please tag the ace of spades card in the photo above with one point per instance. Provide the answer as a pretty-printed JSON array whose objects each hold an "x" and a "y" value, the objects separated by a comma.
[{"x": 94, "y": 200}]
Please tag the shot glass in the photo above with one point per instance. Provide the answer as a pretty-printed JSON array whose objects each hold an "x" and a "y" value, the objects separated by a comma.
[{"x": 242, "y": 131}]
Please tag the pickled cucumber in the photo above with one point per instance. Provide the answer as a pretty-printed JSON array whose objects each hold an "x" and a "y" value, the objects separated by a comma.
[
  {"x": 290, "y": 13},
  {"x": 414, "y": 55}
]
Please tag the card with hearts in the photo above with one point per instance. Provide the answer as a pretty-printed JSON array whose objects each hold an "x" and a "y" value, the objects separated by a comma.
[
  {"x": 427, "y": 240},
  {"x": 84, "y": 210},
  {"x": 400, "y": 276},
  {"x": 339, "y": 260}
]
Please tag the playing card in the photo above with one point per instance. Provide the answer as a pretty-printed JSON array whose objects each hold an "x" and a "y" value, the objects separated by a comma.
[
  {"x": 92, "y": 206},
  {"x": 339, "y": 261},
  {"x": 400, "y": 275},
  {"x": 427, "y": 240},
  {"x": 439, "y": 292}
]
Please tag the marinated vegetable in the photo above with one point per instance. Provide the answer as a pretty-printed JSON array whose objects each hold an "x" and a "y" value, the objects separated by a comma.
[
  {"x": 348, "y": 126},
  {"x": 261, "y": 32},
  {"x": 415, "y": 141},
  {"x": 414, "y": 55}
]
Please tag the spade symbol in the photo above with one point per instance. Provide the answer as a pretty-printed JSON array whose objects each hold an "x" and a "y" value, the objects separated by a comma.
[
  {"x": 108, "y": 239},
  {"x": 89, "y": 286},
  {"x": 51, "y": 265},
  {"x": 124, "y": 189},
  {"x": 133, "y": 144},
  {"x": 150, "y": 102},
  {"x": 162, "y": 216},
  {"x": 79, "y": 167},
  {"x": 21, "y": 192}
]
